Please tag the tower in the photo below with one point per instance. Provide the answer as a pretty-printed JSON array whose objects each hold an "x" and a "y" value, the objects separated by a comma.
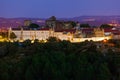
[
  {"x": 51, "y": 22},
  {"x": 9, "y": 33},
  {"x": 27, "y": 22},
  {"x": 21, "y": 34}
]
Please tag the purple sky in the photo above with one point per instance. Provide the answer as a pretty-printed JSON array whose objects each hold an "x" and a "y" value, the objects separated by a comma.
[{"x": 58, "y": 8}]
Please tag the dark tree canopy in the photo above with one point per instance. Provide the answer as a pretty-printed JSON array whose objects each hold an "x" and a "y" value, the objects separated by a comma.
[
  {"x": 33, "y": 25},
  {"x": 58, "y": 61},
  {"x": 5, "y": 35},
  {"x": 73, "y": 23},
  {"x": 105, "y": 26},
  {"x": 12, "y": 35},
  {"x": 85, "y": 26},
  {"x": 53, "y": 39}
]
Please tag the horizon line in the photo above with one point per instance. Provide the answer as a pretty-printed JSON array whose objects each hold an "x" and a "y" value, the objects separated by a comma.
[{"x": 62, "y": 17}]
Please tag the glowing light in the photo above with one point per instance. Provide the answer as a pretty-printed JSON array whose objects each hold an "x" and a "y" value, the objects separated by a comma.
[
  {"x": 32, "y": 41},
  {"x": 105, "y": 40}
]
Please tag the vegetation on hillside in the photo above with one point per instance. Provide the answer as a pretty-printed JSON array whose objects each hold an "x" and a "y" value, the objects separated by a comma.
[
  {"x": 58, "y": 60},
  {"x": 105, "y": 26},
  {"x": 5, "y": 35},
  {"x": 85, "y": 26},
  {"x": 34, "y": 26}
]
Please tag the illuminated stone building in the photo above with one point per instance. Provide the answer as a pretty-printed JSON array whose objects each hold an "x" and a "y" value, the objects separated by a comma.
[
  {"x": 54, "y": 24},
  {"x": 62, "y": 30},
  {"x": 27, "y": 22},
  {"x": 98, "y": 32}
]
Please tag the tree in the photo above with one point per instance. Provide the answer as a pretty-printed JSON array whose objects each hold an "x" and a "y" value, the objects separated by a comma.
[
  {"x": 27, "y": 43},
  {"x": 13, "y": 36},
  {"x": 105, "y": 26},
  {"x": 84, "y": 25},
  {"x": 73, "y": 23},
  {"x": 58, "y": 61},
  {"x": 4, "y": 68},
  {"x": 4, "y": 34},
  {"x": 53, "y": 39},
  {"x": 34, "y": 26}
]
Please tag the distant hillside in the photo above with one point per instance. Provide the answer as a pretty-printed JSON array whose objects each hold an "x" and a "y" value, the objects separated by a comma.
[
  {"x": 92, "y": 20},
  {"x": 97, "y": 20},
  {"x": 15, "y": 22}
]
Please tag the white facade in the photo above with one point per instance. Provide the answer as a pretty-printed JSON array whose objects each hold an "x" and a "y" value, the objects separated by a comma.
[
  {"x": 63, "y": 36},
  {"x": 45, "y": 34},
  {"x": 41, "y": 35},
  {"x": 32, "y": 34}
]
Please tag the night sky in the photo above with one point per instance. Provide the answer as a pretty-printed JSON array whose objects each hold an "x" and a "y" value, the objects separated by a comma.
[{"x": 58, "y": 8}]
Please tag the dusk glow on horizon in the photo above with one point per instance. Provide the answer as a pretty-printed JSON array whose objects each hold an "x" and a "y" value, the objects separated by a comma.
[{"x": 58, "y": 8}]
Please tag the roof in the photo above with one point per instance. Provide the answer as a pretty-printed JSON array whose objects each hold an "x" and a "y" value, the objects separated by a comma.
[
  {"x": 44, "y": 29},
  {"x": 20, "y": 29},
  {"x": 116, "y": 33},
  {"x": 29, "y": 29},
  {"x": 85, "y": 30},
  {"x": 110, "y": 30},
  {"x": 66, "y": 30}
]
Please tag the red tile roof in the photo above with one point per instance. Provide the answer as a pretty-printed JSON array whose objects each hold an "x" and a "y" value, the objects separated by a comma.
[
  {"x": 44, "y": 29},
  {"x": 66, "y": 30},
  {"x": 116, "y": 33},
  {"x": 110, "y": 30},
  {"x": 3, "y": 30},
  {"x": 87, "y": 30}
]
